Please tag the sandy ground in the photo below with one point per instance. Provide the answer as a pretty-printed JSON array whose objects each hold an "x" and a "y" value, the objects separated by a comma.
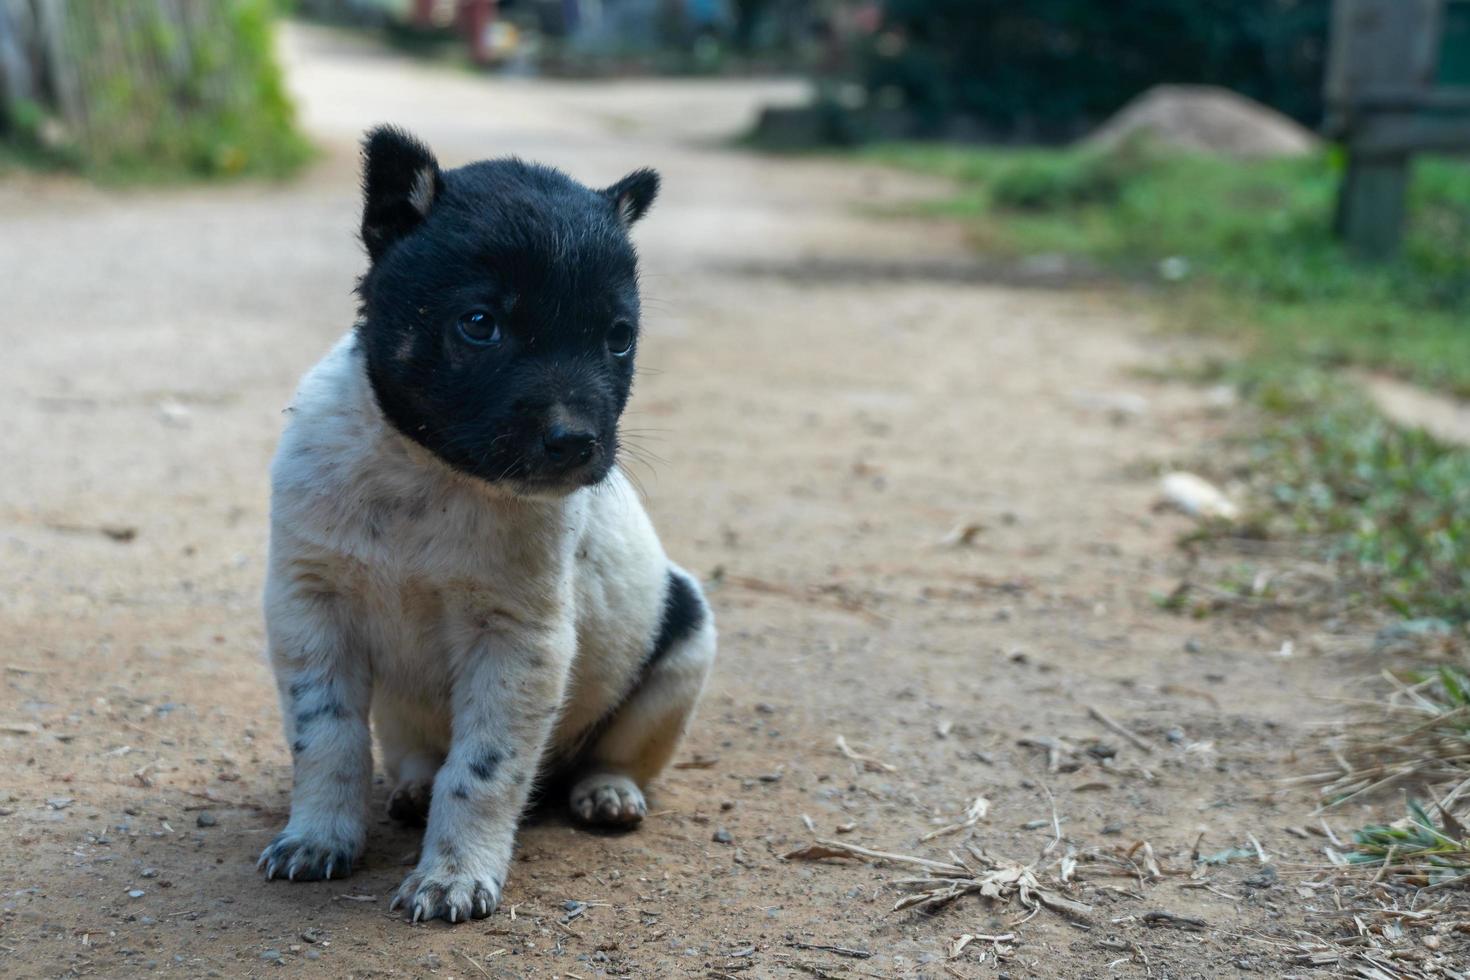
[{"x": 825, "y": 395}]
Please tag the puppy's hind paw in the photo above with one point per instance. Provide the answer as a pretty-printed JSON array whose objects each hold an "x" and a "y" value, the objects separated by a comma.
[
  {"x": 299, "y": 858},
  {"x": 608, "y": 799},
  {"x": 409, "y": 803}
]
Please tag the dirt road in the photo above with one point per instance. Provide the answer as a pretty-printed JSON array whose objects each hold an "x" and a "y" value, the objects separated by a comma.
[{"x": 825, "y": 396}]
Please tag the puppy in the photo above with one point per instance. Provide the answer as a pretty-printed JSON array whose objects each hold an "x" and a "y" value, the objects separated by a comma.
[{"x": 454, "y": 550}]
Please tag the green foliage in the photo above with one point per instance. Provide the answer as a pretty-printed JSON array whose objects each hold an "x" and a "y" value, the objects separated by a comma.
[
  {"x": 1049, "y": 183},
  {"x": 1049, "y": 68},
  {"x": 1252, "y": 240}
]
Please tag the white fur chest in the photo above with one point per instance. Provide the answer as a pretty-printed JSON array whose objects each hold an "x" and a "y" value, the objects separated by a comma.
[{"x": 418, "y": 554}]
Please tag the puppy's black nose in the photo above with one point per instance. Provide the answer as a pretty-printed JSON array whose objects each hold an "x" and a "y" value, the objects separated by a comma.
[{"x": 568, "y": 447}]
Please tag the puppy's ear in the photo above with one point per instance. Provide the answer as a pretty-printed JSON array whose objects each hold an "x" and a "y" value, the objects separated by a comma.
[
  {"x": 400, "y": 182},
  {"x": 632, "y": 196}
]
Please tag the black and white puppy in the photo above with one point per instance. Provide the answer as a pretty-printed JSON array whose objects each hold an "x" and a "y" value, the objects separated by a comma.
[{"x": 454, "y": 550}]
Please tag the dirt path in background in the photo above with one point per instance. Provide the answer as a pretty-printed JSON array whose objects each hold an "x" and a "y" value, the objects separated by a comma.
[{"x": 828, "y": 396}]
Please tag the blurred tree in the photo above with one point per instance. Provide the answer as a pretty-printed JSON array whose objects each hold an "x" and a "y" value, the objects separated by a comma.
[
  {"x": 1049, "y": 68},
  {"x": 154, "y": 86}
]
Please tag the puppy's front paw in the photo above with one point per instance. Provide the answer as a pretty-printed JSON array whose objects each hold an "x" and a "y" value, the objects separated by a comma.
[
  {"x": 300, "y": 857},
  {"x": 448, "y": 894},
  {"x": 608, "y": 799}
]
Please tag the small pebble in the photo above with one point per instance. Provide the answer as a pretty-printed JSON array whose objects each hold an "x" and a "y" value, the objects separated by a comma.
[
  {"x": 271, "y": 955},
  {"x": 206, "y": 819},
  {"x": 135, "y": 893},
  {"x": 149, "y": 873},
  {"x": 727, "y": 804},
  {"x": 722, "y": 836}
]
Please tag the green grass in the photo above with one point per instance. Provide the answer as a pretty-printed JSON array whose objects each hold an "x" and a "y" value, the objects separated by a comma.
[
  {"x": 1391, "y": 504},
  {"x": 1414, "y": 848},
  {"x": 1250, "y": 243}
]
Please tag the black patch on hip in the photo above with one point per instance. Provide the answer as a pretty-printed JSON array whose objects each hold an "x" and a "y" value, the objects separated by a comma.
[{"x": 684, "y": 613}]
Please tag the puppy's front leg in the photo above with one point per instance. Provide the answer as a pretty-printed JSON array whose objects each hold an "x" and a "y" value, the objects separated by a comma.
[
  {"x": 507, "y": 693},
  {"x": 325, "y": 684}
]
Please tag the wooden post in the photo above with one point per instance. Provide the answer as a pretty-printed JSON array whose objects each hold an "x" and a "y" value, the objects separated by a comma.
[
  {"x": 1381, "y": 66},
  {"x": 1372, "y": 204}
]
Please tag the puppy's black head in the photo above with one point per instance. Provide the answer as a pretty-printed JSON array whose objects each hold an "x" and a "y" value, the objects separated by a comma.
[{"x": 500, "y": 312}]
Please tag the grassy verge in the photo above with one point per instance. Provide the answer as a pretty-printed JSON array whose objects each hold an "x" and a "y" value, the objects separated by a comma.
[{"x": 1250, "y": 243}]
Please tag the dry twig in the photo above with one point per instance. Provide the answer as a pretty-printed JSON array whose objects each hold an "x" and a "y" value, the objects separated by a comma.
[{"x": 997, "y": 879}]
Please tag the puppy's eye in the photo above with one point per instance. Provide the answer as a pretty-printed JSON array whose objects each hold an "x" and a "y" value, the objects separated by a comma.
[
  {"x": 479, "y": 327},
  {"x": 620, "y": 338}
]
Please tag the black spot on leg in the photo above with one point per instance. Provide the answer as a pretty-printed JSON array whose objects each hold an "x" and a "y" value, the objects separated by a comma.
[
  {"x": 298, "y": 746},
  {"x": 330, "y": 709},
  {"x": 298, "y": 688},
  {"x": 487, "y": 765},
  {"x": 460, "y": 792}
]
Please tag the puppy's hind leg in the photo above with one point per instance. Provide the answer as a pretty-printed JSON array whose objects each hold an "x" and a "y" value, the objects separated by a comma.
[
  {"x": 411, "y": 755},
  {"x": 643, "y": 731}
]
